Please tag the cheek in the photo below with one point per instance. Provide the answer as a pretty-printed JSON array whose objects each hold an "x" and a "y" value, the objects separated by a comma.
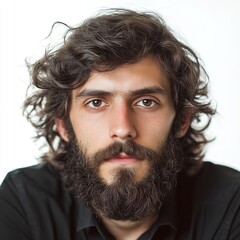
[
  {"x": 90, "y": 132},
  {"x": 155, "y": 132}
]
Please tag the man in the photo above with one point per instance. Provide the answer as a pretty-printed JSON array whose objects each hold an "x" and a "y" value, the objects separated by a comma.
[{"x": 119, "y": 104}]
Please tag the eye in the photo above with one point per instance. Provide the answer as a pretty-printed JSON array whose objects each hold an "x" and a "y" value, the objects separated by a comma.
[
  {"x": 96, "y": 103},
  {"x": 147, "y": 103}
]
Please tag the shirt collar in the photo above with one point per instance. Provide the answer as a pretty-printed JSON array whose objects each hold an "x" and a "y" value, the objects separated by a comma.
[
  {"x": 85, "y": 218},
  {"x": 168, "y": 212}
]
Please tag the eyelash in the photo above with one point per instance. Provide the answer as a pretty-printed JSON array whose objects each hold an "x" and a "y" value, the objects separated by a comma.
[
  {"x": 148, "y": 100},
  {"x": 102, "y": 103},
  {"x": 91, "y": 102}
]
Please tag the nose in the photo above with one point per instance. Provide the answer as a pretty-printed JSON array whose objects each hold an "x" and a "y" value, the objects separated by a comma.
[{"x": 122, "y": 123}]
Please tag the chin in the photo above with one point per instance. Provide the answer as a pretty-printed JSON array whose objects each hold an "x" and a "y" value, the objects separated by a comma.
[
  {"x": 119, "y": 174},
  {"x": 111, "y": 175}
]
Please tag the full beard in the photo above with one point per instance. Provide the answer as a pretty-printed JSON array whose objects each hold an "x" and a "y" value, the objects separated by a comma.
[{"x": 124, "y": 199}]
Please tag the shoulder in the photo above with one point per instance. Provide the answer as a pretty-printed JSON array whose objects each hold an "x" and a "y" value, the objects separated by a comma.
[
  {"x": 217, "y": 177},
  {"x": 220, "y": 171},
  {"x": 20, "y": 194},
  {"x": 214, "y": 184},
  {"x": 32, "y": 201},
  {"x": 44, "y": 169},
  {"x": 217, "y": 183},
  {"x": 212, "y": 199},
  {"x": 40, "y": 178}
]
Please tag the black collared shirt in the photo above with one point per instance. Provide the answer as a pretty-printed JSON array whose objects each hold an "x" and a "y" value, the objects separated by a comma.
[{"x": 34, "y": 205}]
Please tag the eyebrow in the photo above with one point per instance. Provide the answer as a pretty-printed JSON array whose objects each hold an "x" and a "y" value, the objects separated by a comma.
[{"x": 137, "y": 92}]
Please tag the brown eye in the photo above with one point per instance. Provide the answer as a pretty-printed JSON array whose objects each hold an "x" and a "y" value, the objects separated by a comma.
[
  {"x": 147, "y": 103},
  {"x": 96, "y": 103}
]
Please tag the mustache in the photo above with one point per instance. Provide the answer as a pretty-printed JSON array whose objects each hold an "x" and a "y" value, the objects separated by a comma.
[{"x": 129, "y": 147}]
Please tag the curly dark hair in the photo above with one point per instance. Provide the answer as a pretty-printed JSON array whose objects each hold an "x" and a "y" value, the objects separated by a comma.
[{"x": 102, "y": 43}]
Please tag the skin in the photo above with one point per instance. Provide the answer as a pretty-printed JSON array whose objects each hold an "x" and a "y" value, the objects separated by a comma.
[{"x": 133, "y": 102}]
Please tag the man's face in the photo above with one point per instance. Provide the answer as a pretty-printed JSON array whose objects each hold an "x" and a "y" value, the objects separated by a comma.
[{"x": 132, "y": 102}]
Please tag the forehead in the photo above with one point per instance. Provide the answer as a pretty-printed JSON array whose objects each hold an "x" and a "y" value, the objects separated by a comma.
[{"x": 146, "y": 73}]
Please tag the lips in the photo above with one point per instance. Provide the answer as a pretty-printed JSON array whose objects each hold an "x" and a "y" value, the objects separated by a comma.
[{"x": 123, "y": 158}]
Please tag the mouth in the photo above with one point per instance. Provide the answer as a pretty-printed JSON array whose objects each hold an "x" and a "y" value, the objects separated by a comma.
[{"x": 123, "y": 159}]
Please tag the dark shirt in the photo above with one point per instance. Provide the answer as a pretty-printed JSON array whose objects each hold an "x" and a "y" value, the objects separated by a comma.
[{"x": 34, "y": 204}]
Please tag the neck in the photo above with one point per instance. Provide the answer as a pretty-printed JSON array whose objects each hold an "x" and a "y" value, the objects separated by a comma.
[{"x": 128, "y": 230}]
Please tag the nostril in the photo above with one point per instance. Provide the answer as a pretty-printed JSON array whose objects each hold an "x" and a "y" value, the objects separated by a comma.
[{"x": 123, "y": 133}]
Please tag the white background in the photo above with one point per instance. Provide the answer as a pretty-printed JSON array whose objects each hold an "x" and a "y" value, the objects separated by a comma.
[{"x": 211, "y": 27}]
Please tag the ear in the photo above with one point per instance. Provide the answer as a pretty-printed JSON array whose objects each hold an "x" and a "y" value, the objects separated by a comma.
[
  {"x": 61, "y": 128},
  {"x": 184, "y": 125}
]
